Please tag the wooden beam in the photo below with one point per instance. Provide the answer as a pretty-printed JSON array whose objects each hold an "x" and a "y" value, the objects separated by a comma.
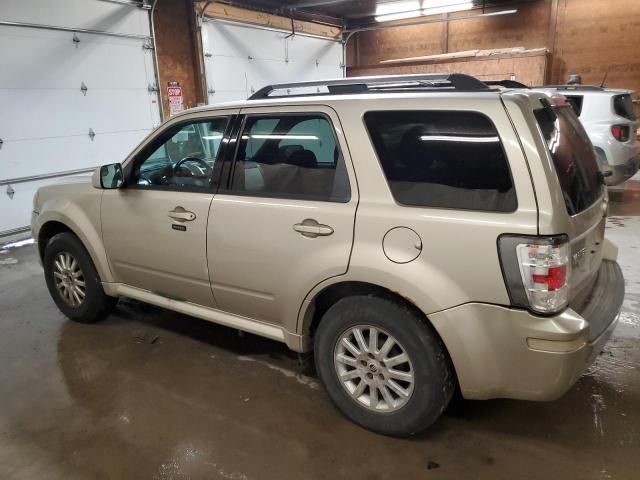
[
  {"x": 551, "y": 39},
  {"x": 237, "y": 14}
]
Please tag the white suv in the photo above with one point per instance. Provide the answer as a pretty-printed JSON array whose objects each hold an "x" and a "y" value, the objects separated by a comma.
[{"x": 608, "y": 117}]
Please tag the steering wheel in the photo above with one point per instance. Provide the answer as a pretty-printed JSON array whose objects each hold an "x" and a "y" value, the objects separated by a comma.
[{"x": 203, "y": 165}]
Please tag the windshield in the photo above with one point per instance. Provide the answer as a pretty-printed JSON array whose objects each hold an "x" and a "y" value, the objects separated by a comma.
[{"x": 573, "y": 156}]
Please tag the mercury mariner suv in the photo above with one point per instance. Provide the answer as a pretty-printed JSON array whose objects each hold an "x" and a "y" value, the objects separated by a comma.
[{"x": 417, "y": 233}]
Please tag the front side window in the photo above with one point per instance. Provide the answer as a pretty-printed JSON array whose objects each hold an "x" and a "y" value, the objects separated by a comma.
[
  {"x": 290, "y": 156},
  {"x": 443, "y": 159},
  {"x": 182, "y": 157}
]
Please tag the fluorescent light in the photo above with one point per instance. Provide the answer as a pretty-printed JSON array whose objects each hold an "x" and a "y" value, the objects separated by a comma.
[
  {"x": 417, "y": 8},
  {"x": 280, "y": 137},
  {"x": 450, "y": 138}
]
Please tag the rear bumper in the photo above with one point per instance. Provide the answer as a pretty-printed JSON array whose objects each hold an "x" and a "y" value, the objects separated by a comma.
[
  {"x": 622, "y": 172},
  {"x": 499, "y": 352}
]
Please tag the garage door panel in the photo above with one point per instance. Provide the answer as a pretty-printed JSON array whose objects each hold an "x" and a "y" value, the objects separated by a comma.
[
  {"x": 47, "y": 155},
  {"x": 244, "y": 42},
  {"x": 25, "y": 158},
  {"x": 308, "y": 49},
  {"x": 129, "y": 110},
  {"x": 86, "y": 14},
  {"x": 58, "y": 113},
  {"x": 98, "y": 61}
]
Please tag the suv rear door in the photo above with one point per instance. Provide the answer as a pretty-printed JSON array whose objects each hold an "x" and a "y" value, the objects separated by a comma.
[
  {"x": 581, "y": 184},
  {"x": 284, "y": 220}
]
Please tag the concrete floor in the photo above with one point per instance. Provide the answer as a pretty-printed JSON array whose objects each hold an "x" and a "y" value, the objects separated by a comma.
[{"x": 152, "y": 394}]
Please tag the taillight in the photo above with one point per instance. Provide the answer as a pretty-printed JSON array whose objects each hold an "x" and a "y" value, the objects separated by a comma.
[
  {"x": 536, "y": 271},
  {"x": 622, "y": 133}
]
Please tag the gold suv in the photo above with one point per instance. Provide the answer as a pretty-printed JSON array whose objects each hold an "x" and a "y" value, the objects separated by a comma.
[{"x": 416, "y": 232}]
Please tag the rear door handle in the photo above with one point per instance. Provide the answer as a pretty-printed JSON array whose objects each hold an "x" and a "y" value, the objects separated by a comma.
[
  {"x": 311, "y": 228},
  {"x": 182, "y": 215}
]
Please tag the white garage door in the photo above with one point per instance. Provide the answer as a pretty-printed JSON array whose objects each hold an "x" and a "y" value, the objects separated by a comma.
[
  {"x": 241, "y": 59},
  {"x": 70, "y": 100}
]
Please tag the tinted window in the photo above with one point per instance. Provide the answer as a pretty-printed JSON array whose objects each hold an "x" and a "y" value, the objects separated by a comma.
[
  {"x": 182, "y": 157},
  {"x": 573, "y": 156},
  {"x": 576, "y": 102},
  {"x": 623, "y": 106},
  {"x": 442, "y": 159},
  {"x": 291, "y": 156}
]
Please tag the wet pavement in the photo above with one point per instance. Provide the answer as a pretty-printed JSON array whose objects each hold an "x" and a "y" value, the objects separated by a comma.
[{"x": 150, "y": 394}]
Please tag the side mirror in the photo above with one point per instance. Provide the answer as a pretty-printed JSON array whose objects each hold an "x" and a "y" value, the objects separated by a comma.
[{"x": 108, "y": 176}]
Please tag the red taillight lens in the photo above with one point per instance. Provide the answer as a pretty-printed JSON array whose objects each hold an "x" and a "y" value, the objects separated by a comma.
[
  {"x": 555, "y": 278},
  {"x": 621, "y": 132}
]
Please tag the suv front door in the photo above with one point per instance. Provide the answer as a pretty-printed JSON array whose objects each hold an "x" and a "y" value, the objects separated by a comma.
[
  {"x": 284, "y": 221},
  {"x": 154, "y": 227}
]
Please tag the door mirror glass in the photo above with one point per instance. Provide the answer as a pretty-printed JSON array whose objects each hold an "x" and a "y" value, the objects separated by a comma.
[{"x": 111, "y": 176}]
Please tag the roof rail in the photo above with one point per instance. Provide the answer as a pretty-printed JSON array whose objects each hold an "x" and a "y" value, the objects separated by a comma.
[
  {"x": 446, "y": 81},
  {"x": 505, "y": 83},
  {"x": 575, "y": 87}
]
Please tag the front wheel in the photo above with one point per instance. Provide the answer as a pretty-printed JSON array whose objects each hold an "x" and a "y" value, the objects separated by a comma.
[
  {"x": 73, "y": 281},
  {"x": 383, "y": 366}
]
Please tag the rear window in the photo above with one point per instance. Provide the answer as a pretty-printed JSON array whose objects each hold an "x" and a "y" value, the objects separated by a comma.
[
  {"x": 573, "y": 156},
  {"x": 442, "y": 159},
  {"x": 623, "y": 106},
  {"x": 576, "y": 103}
]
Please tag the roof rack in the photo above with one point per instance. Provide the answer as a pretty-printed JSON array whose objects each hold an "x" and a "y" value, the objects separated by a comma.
[
  {"x": 376, "y": 84},
  {"x": 505, "y": 83}
]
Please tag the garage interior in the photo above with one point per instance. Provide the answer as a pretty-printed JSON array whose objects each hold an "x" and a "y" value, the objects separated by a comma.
[{"x": 149, "y": 393}]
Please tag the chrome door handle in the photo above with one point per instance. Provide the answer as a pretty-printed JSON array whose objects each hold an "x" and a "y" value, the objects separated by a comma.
[
  {"x": 311, "y": 228},
  {"x": 182, "y": 215}
]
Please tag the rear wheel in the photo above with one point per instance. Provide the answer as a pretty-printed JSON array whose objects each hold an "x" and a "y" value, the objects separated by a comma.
[
  {"x": 382, "y": 366},
  {"x": 73, "y": 281}
]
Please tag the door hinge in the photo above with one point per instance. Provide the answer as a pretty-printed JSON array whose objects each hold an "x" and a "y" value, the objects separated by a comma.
[
  {"x": 1, "y": 142},
  {"x": 75, "y": 39},
  {"x": 147, "y": 45},
  {"x": 92, "y": 134},
  {"x": 208, "y": 55},
  {"x": 211, "y": 91},
  {"x": 10, "y": 192},
  {"x": 152, "y": 87},
  {"x": 83, "y": 89}
]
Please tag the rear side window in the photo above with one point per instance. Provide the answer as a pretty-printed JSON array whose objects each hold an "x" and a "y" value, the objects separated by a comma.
[
  {"x": 623, "y": 106},
  {"x": 576, "y": 102},
  {"x": 290, "y": 156},
  {"x": 573, "y": 156},
  {"x": 442, "y": 159}
]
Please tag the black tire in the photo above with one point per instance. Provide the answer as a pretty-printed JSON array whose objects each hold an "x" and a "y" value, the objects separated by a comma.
[
  {"x": 434, "y": 377},
  {"x": 96, "y": 304}
]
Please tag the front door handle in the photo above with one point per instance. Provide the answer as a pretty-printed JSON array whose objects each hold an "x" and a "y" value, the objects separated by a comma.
[
  {"x": 311, "y": 228},
  {"x": 182, "y": 215}
]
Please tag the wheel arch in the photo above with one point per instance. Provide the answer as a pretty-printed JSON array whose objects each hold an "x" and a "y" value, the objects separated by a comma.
[
  {"x": 51, "y": 223},
  {"x": 316, "y": 305}
]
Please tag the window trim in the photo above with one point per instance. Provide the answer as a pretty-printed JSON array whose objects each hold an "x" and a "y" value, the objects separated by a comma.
[
  {"x": 232, "y": 156},
  {"x": 161, "y": 138},
  {"x": 458, "y": 209}
]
